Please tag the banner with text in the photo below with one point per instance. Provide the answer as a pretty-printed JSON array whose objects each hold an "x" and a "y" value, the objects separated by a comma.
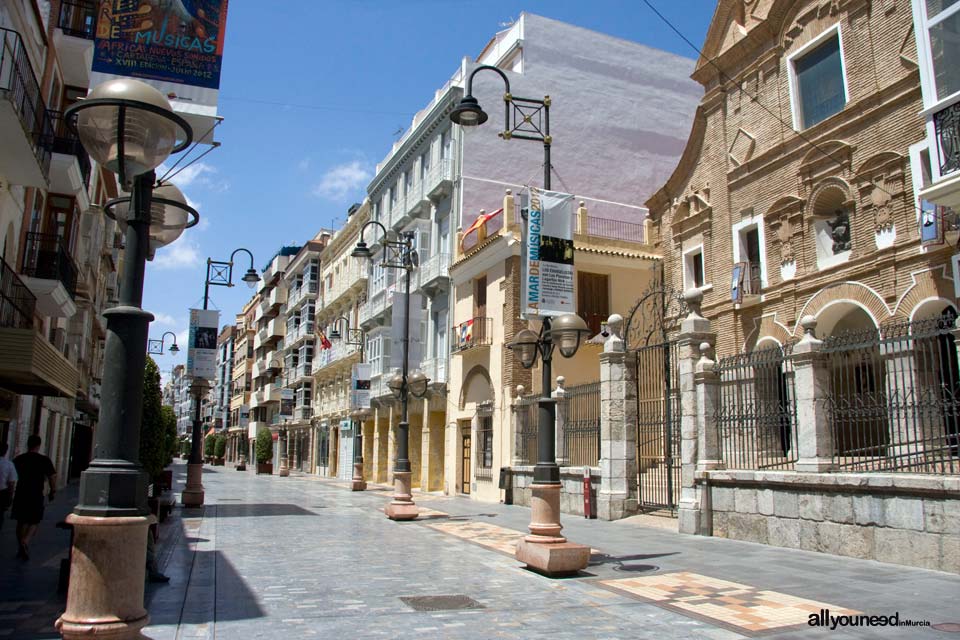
[
  {"x": 202, "y": 344},
  {"x": 548, "y": 250},
  {"x": 175, "y": 45},
  {"x": 360, "y": 386},
  {"x": 415, "y": 350}
]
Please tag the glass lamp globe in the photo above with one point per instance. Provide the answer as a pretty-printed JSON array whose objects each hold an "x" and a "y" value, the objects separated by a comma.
[{"x": 566, "y": 332}]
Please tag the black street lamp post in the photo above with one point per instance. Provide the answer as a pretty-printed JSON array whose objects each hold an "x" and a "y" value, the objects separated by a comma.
[
  {"x": 155, "y": 347},
  {"x": 400, "y": 254},
  {"x": 544, "y": 549},
  {"x": 355, "y": 338},
  {"x": 129, "y": 128},
  {"x": 219, "y": 274}
]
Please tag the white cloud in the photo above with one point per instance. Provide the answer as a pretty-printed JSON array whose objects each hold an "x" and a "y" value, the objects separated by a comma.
[
  {"x": 198, "y": 174},
  {"x": 164, "y": 318},
  {"x": 182, "y": 254},
  {"x": 342, "y": 180}
]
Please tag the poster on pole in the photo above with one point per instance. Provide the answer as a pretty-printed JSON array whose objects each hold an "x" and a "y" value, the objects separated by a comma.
[
  {"x": 415, "y": 350},
  {"x": 286, "y": 403},
  {"x": 202, "y": 344},
  {"x": 175, "y": 45},
  {"x": 548, "y": 249},
  {"x": 360, "y": 386}
]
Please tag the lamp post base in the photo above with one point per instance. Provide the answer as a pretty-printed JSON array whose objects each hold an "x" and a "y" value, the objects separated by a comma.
[
  {"x": 284, "y": 467},
  {"x": 192, "y": 495},
  {"x": 402, "y": 506},
  {"x": 108, "y": 562},
  {"x": 357, "y": 483},
  {"x": 545, "y": 550}
]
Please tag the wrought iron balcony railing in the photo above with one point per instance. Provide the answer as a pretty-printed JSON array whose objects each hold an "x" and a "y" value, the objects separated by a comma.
[
  {"x": 947, "y": 125},
  {"x": 78, "y": 18},
  {"x": 472, "y": 333},
  {"x": 17, "y": 303},
  {"x": 68, "y": 143},
  {"x": 18, "y": 84},
  {"x": 48, "y": 259}
]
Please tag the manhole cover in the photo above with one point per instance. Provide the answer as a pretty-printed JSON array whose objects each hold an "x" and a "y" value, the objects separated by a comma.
[
  {"x": 440, "y": 603},
  {"x": 952, "y": 627}
]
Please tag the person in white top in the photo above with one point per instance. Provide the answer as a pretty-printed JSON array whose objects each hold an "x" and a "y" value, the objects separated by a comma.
[{"x": 8, "y": 481}]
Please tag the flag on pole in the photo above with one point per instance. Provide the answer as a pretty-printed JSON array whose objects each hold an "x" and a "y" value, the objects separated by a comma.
[
  {"x": 481, "y": 220},
  {"x": 324, "y": 343}
]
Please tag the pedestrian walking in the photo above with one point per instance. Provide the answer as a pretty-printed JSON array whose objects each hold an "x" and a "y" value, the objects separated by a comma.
[
  {"x": 32, "y": 468},
  {"x": 8, "y": 481}
]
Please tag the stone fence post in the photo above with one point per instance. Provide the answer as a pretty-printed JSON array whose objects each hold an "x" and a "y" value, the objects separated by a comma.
[
  {"x": 560, "y": 431},
  {"x": 617, "y": 497},
  {"x": 694, "y": 334},
  {"x": 812, "y": 381},
  {"x": 516, "y": 460}
]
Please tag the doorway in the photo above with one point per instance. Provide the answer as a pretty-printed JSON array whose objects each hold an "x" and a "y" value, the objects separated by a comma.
[{"x": 465, "y": 448}]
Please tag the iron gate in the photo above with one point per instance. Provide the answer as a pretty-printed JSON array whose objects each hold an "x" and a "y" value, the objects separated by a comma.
[{"x": 650, "y": 333}]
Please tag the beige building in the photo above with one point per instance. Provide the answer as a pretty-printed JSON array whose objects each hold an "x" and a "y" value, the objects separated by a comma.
[
  {"x": 491, "y": 421},
  {"x": 343, "y": 288},
  {"x": 241, "y": 438}
]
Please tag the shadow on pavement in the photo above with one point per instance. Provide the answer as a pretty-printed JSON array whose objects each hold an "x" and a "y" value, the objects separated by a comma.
[{"x": 261, "y": 509}]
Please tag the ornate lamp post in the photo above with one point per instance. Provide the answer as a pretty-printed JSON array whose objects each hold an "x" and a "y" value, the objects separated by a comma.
[
  {"x": 155, "y": 347},
  {"x": 355, "y": 338},
  {"x": 219, "y": 274},
  {"x": 129, "y": 128},
  {"x": 399, "y": 254}
]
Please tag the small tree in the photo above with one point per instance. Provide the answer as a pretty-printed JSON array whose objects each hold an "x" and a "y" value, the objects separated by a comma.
[
  {"x": 153, "y": 445},
  {"x": 208, "y": 444},
  {"x": 220, "y": 446},
  {"x": 169, "y": 419},
  {"x": 264, "y": 446},
  {"x": 185, "y": 446}
]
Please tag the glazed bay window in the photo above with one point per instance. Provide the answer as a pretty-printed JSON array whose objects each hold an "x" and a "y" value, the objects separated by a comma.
[
  {"x": 817, "y": 80},
  {"x": 943, "y": 38}
]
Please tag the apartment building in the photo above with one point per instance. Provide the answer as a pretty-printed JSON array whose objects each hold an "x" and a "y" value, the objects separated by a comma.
[
  {"x": 270, "y": 326},
  {"x": 240, "y": 434},
  {"x": 302, "y": 277},
  {"x": 59, "y": 255},
  {"x": 343, "y": 288},
  {"x": 224, "y": 378}
]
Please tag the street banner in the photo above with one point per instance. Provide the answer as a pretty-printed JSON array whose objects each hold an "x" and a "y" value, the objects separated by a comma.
[
  {"x": 244, "y": 415},
  {"x": 202, "y": 344},
  {"x": 175, "y": 45},
  {"x": 286, "y": 403},
  {"x": 360, "y": 386},
  {"x": 415, "y": 350},
  {"x": 548, "y": 249}
]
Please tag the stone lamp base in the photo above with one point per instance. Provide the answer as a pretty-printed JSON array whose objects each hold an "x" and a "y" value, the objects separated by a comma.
[
  {"x": 402, "y": 506},
  {"x": 192, "y": 495},
  {"x": 545, "y": 550},
  {"x": 357, "y": 483}
]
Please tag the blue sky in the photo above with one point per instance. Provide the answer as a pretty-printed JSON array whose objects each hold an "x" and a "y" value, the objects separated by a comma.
[{"x": 313, "y": 93}]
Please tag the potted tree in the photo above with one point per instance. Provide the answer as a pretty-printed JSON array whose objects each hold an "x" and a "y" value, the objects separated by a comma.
[
  {"x": 264, "y": 447},
  {"x": 169, "y": 420},
  {"x": 185, "y": 448},
  {"x": 209, "y": 443},
  {"x": 219, "y": 449},
  {"x": 153, "y": 440}
]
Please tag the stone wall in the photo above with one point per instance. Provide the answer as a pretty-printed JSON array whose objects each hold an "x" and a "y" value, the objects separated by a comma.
[
  {"x": 909, "y": 520},
  {"x": 571, "y": 492}
]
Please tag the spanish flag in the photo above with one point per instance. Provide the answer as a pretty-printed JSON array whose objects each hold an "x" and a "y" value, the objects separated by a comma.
[
  {"x": 324, "y": 343},
  {"x": 481, "y": 219}
]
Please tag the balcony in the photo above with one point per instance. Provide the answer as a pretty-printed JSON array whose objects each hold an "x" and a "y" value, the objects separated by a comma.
[
  {"x": 439, "y": 180},
  {"x": 25, "y": 126},
  {"x": 302, "y": 413},
  {"x": 435, "y": 272},
  {"x": 74, "y": 39},
  {"x": 946, "y": 191},
  {"x": 435, "y": 369},
  {"x": 306, "y": 291},
  {"x": 276, "y": 329},
  {"x": 29, "y": 364},
  {"x": 298, "y": 374},
  {"x": 475, "y": 332},
  {"x": 353, "y": 279},
  {"x": 298, "y": 334},
  {"x": 277, "y": 297},
  {"x": 747, "y": 283},
  {"x": 70, "y": 164},
  {"x": 339, "y": 351},
  {"x": 50, "y": 273}
]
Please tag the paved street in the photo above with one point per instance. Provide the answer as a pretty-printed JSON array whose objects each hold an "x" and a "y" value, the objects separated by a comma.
[{"x": 300, "y": 557}]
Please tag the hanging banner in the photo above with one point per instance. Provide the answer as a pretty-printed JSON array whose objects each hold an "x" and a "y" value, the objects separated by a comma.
[
  {"x": 415, "y": 350},
  {"x": 286, "y": 403},
  {"x": 202, "y": 344},
  {"x": 176, "y": 45},
  {"x": 360, "y": 386},
  {"x": 548, "y": 248}
]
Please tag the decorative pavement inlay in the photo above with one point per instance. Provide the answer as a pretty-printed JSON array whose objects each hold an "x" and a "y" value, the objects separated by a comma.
[
  {"x": 734, "y": 605},
  {"x": 486, "y": 535}
]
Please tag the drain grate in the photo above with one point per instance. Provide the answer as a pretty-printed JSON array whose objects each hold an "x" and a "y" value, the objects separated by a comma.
[{"x": 440, "y": 603}]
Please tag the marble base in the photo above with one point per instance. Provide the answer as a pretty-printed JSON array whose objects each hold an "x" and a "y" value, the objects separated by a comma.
[
  {"x": 553, "y": 558},
  {"x": 402, "y": 506},
  {"x": 192, "y": 495},
  {"x": 105, "y": 599}
]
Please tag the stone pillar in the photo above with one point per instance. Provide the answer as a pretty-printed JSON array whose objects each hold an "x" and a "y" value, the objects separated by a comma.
[
  {"x": 510, "y": 221},
  {"x": 560, "y": 436},
  {"x": 617, "y": 496},
  {"x": 284, "y": 445},
  {"x": 394, "y": 414},
  {"x": 582, "y": 222},
  {"x": 694, "y": 422},
  {"x": 425, "y": 444},
  {"x": 515, "y": 460},
  {"x": 812, "y": 380}
]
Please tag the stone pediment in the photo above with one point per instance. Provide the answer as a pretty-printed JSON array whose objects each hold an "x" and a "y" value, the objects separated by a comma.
[
  {"x": 785, "y": 206},
  {"x": 829, "y": 158}
]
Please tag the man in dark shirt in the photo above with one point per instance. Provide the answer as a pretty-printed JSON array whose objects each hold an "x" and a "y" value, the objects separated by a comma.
[{"x": 32, "y": 468}]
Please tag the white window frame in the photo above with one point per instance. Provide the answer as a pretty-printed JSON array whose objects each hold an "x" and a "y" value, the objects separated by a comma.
[
  {"x": 737, "y": 230},
  {"x": 688, "y": 279},
  {"x": 922, "y": 25},
  {"x": 795, "y": 106}
]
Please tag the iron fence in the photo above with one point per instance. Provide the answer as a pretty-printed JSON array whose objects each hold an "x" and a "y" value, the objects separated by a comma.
[
  {"x": 18, "y": 84},
  {"x": 894, "y": 397},
  {"x": 17, "y": 303},
  {"x": 756, "y": 414},
  {"x": 616, "y": 229},
  {"x": 46, "y": 257},
  {"x": 526, "y": 441},
  {"x": 474, "y": 332},
  {"x": 78, "y": 18},
  {"x": 483, "y": 469},
  {"x": 579, "y": 439}
]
